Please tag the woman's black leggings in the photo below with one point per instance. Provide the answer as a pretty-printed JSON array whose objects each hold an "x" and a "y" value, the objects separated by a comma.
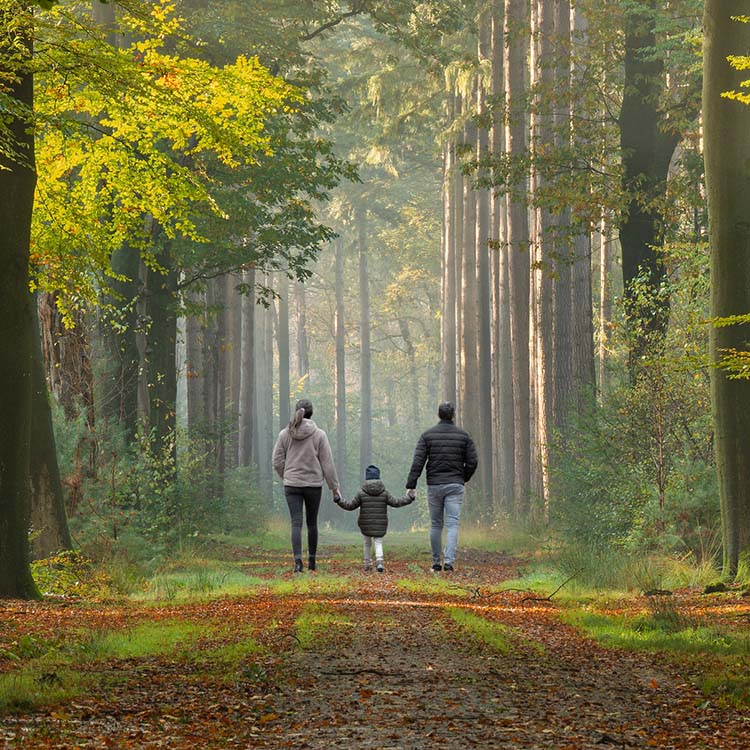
[{"x": 296, "y": 497}]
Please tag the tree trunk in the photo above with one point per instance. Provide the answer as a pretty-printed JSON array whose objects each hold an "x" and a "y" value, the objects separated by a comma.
[
  {"x": 48, "y": 520},
  {"x": 727, "y": 156},
  {"x": 502, "y": 344},
  {"x": 265, "y": 435},
  {"x": 516, "y": 22},
  {"x": 470, "y": 406},
  {"x": 341, "y": 466},
  {"x": 233, "y": 312},
  {"x": 646, "y": 153},
  {"x": 413, "y": 372},
  {"x": 282, "y": 340},
  {"x": 194, "y": 365},
  {"x": 160, "y": 363},
  {"x": 484, "y": 363},
  {"x": 605, "y": 306},
  {"x": 247, "y": 379},
  {"x": 17, "y": 183},
  {"x": 458, "y": 244},
  {"x": 120, "y": 329},
  {"x": 448, "y": 317},
  {"x": 303, "y": 347},
  {"x": 365, "y": 423}
]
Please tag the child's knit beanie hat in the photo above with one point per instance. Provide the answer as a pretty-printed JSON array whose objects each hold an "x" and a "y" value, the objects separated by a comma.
[{"x": 372, "y": 472}]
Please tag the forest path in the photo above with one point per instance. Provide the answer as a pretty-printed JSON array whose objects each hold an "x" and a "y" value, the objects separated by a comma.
[{"x": 400, "y": 660}]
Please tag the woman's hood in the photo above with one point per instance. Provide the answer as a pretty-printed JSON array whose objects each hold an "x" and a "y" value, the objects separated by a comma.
[{"x": 305, "y": 429}]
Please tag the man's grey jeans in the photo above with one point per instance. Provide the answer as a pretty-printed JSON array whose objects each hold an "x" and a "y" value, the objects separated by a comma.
[{"x": 444, "y": 501}]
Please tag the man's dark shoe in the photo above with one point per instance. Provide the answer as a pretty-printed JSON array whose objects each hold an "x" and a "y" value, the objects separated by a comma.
[
  {"x": 311, "y": 564},
  {"x": 379, "y": 567},
  {"x": 298, "y": 566},
  {"x": 437, "y": 567},
  {"x": 448, "y": 567}
]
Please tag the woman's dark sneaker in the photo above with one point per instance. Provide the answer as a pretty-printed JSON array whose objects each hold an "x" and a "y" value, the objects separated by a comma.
[
  {"x": 311, "y": 564},
  {"x": 298, "y": 566},
  {"x": 448, "y": 567},
  {"x": 437, "y": 567}
]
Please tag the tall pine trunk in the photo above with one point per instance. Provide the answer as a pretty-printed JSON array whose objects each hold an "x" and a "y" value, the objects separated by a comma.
[
  {"x": 365, "y": 423},
  {"x": 448, "y": 316},
  {"x": 282, "y": 342},
  {"x": 516, "y": 23},
  {"x": 727, "y": 161},
  {"x": 247, "y": 374},
  {"x": 303, "y": 347},
  {"x": 340, "y": 336},
  {"x": 484, "y": 363}
]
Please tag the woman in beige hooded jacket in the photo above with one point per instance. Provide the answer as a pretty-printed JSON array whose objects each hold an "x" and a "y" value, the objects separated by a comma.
[{"x": 302, "y": 458}]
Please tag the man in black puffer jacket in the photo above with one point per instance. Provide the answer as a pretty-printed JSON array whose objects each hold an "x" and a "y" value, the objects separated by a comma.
[{"x": 451, "y": 458}]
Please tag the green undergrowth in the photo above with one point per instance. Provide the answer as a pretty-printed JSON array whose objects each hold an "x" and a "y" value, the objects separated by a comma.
[
  {"x": 316, "y": 623},
  {"x": 718, "y": 661},
  {"x": 57, "y": 670},
  {"x": 658, "y": 633}
]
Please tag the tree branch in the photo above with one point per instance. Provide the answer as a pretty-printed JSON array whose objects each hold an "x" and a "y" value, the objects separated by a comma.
[{"x": 356, "y": 10}]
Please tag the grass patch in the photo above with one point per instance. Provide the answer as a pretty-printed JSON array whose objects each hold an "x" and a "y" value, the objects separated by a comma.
[
  {"x": 437, "y": 585},
  {"x": 492, "y": 634},
  {"x": 316, "y": 623},
  {"x": 649, "y": 634},
  {"x": 58, "y": 672},
  {"x": 198, "y": 583},
  {"x": 319, "y": 583}
]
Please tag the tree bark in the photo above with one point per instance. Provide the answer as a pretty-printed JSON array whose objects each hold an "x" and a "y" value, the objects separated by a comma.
[
  {"x": 303, "y": 347},
  {"x": 727, "y": 156},
  {"x": 233, "y": 312},
  {"x": 49, "y": 522},
  {"x": 341, "y": 463},
  {"x": 646, "y": 153},
  {"x": 194, "y": 365},
  {"x": 458, "y": 244},
  {"x": 448, "y": 317},
  {"x": 160, "y": 363},
  {"x": 484, "y": 363},
  {"x": 501, "y": 304},
  {"x": 17, "y": 183},
  {"x": 247, "y": 379},
  {"x": 365, "y": 423},
  {"x": 282, "y": 341},
  {"x": 516, "y": 22}
]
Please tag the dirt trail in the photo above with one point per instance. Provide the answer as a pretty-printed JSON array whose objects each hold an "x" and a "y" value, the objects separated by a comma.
[{"x": 393, "y": 670}]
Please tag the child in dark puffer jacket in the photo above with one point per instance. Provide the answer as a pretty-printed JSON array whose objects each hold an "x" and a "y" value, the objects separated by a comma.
[{"x": 373, "y": 501}]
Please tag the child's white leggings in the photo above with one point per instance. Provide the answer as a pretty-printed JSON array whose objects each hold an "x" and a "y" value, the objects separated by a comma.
[{"x": 367, "y": 541}]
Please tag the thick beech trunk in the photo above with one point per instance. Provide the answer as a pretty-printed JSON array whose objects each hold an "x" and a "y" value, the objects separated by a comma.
[
  {"x": 48, "y": 520},
  {"x": 17, "y": 183},
  {"x": 646, "y": 152},
  {"x": 160, "y": 361},
  {"x": 727, "y": 160}
]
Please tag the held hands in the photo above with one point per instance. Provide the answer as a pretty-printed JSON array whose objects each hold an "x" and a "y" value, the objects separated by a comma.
[
  {"x": 411, "y": 493},
  {"x": 336, "y": 497}
]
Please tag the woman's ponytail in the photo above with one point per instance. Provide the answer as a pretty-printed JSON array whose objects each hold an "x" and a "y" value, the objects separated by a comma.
[{"x": 299, "y": 415}]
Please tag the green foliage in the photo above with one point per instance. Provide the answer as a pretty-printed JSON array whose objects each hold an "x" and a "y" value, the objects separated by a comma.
[
  {"x": 71, "y": 574},
  {"x": 636, "y": 473}
]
